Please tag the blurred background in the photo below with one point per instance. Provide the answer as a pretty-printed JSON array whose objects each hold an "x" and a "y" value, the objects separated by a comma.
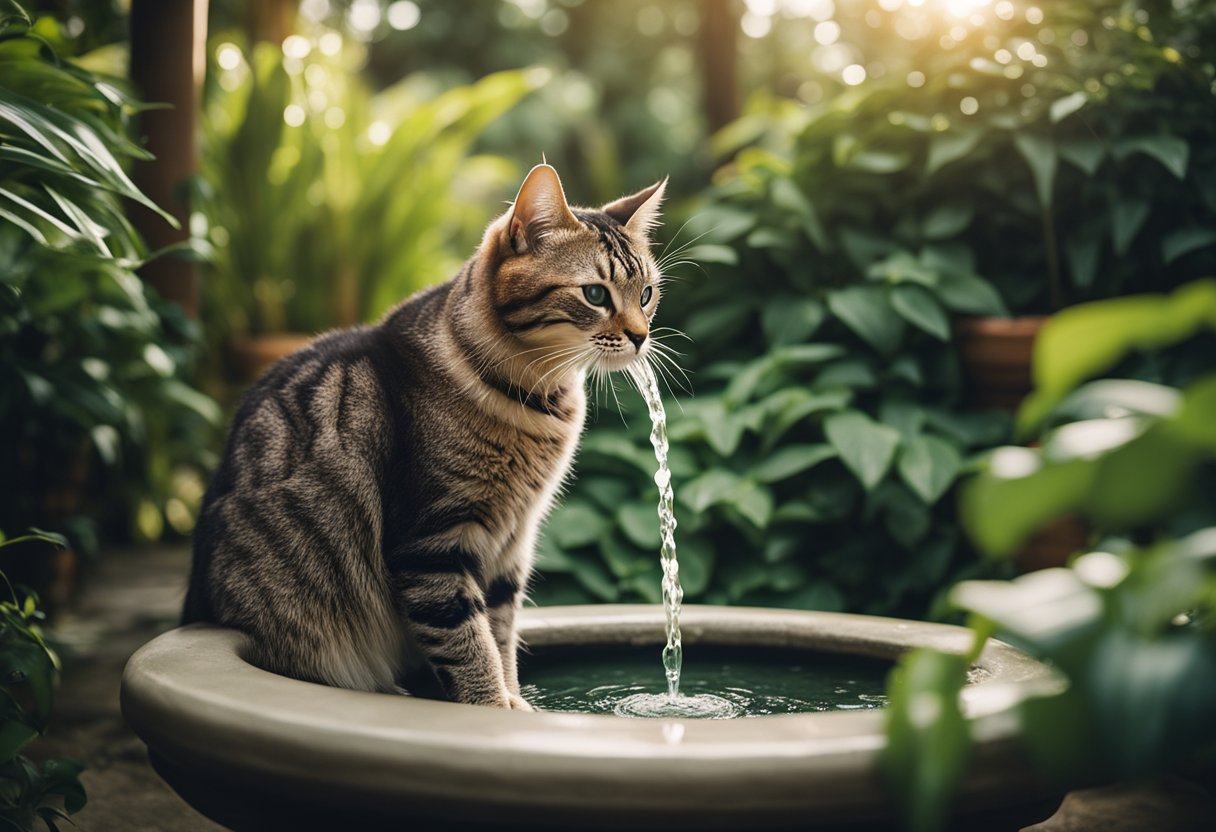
[
  {"x": 864, "y": 175},
  {"x": 876, "y": 208}
]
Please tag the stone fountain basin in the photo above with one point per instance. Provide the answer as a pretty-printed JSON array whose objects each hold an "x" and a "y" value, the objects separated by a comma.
[{"x": 255, "y": 750}]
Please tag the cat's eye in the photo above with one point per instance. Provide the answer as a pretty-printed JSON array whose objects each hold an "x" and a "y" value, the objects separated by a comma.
[
  {"x": 596, "y": 295},
  {"x": 647, "y": 294}
]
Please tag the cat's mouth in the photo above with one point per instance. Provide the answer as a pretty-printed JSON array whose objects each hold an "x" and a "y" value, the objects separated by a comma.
[{"x": 618, "y": 360}]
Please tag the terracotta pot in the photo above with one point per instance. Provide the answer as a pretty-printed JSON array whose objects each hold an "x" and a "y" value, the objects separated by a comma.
[
  {"x": 1053, "y": 544},
  {"x": 250, "y": 357},
  {"x": 997, "y": 356}
]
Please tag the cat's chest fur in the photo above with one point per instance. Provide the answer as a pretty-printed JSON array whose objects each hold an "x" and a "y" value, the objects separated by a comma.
[{"x": 500, "y": 465}]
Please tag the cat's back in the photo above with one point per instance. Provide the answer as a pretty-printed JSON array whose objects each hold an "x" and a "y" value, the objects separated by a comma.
[{"x": 314, "y": 425}]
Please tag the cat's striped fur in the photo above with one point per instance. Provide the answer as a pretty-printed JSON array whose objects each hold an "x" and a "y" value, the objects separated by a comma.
[{"x": 382, "y": 489}]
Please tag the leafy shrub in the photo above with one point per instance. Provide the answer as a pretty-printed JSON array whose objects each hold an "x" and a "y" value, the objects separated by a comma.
[
  {"x": 328, "y": 204},
  {"x": 1063, "y": 156},
  {"x": 1129, "y": 626},
  {"x": 93, "y": 365},
  {"x": 30, "y": 792},
  {"x": 813, "y": 466}
]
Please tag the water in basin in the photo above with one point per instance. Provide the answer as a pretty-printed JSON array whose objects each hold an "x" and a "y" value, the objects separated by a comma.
[{"x": 716, "y": 683}]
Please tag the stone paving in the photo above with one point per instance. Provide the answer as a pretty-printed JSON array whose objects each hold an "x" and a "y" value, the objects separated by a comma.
[{"x": 129, "y": 596}]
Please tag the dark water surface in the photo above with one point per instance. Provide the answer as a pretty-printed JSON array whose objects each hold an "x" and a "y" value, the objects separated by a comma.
[{"x": 750, "y": 681}]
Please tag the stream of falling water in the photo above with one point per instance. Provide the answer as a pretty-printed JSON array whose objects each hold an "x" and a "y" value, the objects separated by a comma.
[{"x": 705, "y": 705}]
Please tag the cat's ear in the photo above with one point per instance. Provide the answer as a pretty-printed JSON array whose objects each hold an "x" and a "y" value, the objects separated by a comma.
[
  {"x": 539, "y": 209},
  {"x": 639, "y": 213}
]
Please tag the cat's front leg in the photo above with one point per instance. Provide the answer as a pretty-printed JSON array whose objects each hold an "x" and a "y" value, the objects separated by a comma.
[
  {"x": 503, "y": 597},
  {"x": 446, "y": 614}
]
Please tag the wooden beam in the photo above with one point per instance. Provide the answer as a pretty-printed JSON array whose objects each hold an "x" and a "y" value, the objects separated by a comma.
[
  {"x": 720, "y": 61},
  {"x": 168, "y": 42}
]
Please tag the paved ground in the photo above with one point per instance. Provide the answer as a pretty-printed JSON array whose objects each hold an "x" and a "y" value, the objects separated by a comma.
[
  {"x": 129, "y": 597},
  {"x": 132, "y": 595}
]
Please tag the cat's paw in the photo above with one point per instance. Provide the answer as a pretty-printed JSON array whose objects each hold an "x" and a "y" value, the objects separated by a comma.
[{"x": 517, "y": 703}]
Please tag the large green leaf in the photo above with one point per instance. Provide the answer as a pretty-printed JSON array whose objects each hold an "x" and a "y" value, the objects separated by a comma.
[
  {"x": 916, "y": 305},
  {"x": 753, "y": 501},
  {"x": 929, "y": 465},
  {"x": 1154, "y": 696},
  {"x": 1085, "y": 340},
  {"x": 1039, "y": 151},
  {"x": 1171, "y": 151},
  {"x": 1127, "y": 219},
  {"x": 1085, "y": 152},
  {"x": 945, "y": 148},
  {"x": 576, "y": 524},
  {"x": 967, "y": 293},
  {"x": 865, "y": 446},
  {"x": 25, "y": 661},
  {"x": 928, "y": 739},
  {"x": 1029, "y": 495},
  {"x": 710, "y": 488},
  {"x": 640, "y": 523},
  {"x": 868, "y": 312},
  {"x": 791, "y": 460},
  {"x": 791, "y": 320},
  {"x": 947, "y": 220},
  {"x": 1183, "y": 241},
  {"x": 786, "y": 195},
  {"x": 1062, "y": 108}
]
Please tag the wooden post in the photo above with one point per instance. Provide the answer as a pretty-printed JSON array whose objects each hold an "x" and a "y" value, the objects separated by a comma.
[
  {"x": 270, "y": 21},
  {"x": 720, "y": 61},
  {"x": 168, "y": 39}
]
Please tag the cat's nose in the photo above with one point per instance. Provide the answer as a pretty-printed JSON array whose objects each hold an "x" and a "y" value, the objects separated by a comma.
[{"x": 637, "y": 339}]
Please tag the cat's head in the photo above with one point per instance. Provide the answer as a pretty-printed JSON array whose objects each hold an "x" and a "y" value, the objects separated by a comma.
[{"x": 576, "y": 288}]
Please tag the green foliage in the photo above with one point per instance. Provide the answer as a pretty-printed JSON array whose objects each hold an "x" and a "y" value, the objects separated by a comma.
[
  {"x": 1062, "y": 159},
  {"x": 814, "y": 466},
  {"x": 327, "y": 203},
  {"x": 93, "y": 366},
  {"x": 30, "y": 792},
  {"x": 1129, "y": 626},
  {"x": 1134, "y": 464},
  {"x": 928, "y": 738}
]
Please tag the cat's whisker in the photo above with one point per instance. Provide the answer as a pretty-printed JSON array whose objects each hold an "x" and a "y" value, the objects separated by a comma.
[
  {"x": 667, "y": 349},
  {"x": 620, "y": 409},
  {"x": 580, "y": 354},
  {"x": 670, "y": 330},
  {"x": 675, "y": 237},
  {"x": 664, "y": 364},
  {"x": 677, "y": 264},
  {"x": 666, "y": 257},
  {"x": 659, "y": 373},
  {"x": 552, "y": 355}
]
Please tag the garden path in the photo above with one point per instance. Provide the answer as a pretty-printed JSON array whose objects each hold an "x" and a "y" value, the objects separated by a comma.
[{"x": 128, "y": 597}]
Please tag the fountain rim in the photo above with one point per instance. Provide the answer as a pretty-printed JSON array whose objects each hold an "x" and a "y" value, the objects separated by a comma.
[{"x": 195, "y": 701}]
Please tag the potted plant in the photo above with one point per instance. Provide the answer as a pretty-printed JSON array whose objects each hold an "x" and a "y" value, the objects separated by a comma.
[{"x": 326, "y": 202}]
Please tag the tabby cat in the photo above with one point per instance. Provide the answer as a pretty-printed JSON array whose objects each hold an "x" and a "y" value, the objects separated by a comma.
[{"x": 382, "y": 488}]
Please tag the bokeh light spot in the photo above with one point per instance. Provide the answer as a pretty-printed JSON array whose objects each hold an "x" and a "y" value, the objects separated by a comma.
[
  {"x": 296, "y": 46},
  {"x": 404, "y": 15},
  {"x": 294, "y": 115},
  {"x": 228, "y": 56},
  {"x": 827, "y": 32}
]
